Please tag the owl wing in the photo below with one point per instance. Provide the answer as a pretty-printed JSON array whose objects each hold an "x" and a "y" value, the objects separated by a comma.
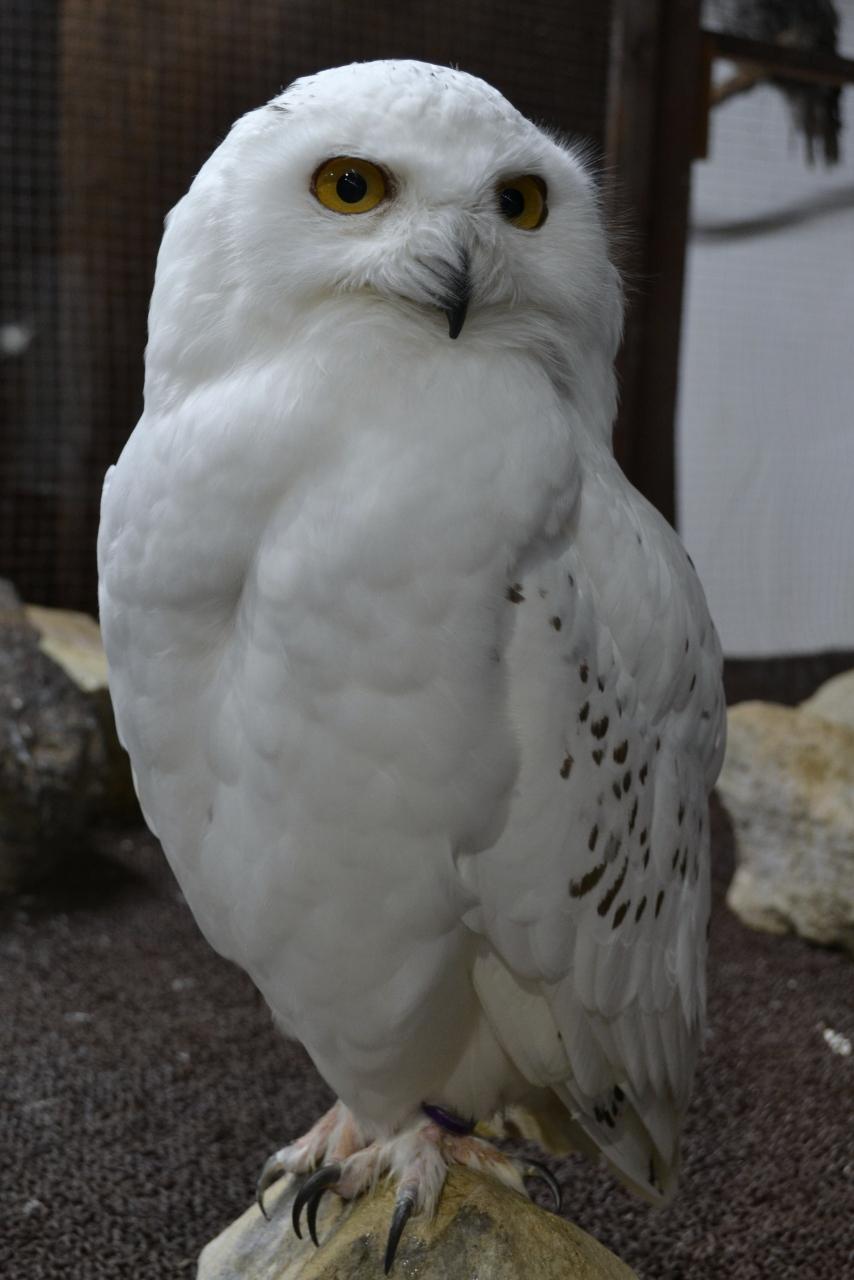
[{"x": 594, "y": 903}]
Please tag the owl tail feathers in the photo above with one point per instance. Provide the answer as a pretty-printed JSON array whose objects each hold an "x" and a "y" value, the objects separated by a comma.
[{"x": 613, "y": 1129}]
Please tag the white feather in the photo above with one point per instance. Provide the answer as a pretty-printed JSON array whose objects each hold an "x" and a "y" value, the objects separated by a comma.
[{"x": 372, "y": 602}]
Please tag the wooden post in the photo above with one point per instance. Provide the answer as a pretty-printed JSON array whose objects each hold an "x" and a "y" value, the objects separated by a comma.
[{"x": 651, "y": 138}]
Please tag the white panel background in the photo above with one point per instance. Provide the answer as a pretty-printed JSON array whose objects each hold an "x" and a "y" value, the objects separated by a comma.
[{"x": 765, "y": 428}]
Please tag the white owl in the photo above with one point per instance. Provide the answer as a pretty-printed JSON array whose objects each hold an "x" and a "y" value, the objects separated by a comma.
[{"x": 422, "y": 698}]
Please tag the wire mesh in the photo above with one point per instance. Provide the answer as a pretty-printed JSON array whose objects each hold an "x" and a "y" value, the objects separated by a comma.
[{"x": 764, "y": 437}]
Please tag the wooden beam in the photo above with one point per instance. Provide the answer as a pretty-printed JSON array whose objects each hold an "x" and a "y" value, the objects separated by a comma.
[
  {"x": 783, "y": 62},
  {"x": 651, "y": 137}
]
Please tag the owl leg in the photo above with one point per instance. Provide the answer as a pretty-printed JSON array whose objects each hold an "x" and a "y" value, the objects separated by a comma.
[
  {"x": 334, "y": 1137},
  {"x": 418, "y": 1159}
]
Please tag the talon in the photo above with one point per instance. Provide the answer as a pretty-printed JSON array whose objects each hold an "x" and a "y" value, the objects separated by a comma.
[
  {"x": 310, "y": 1193},
  {"x": 534, "y": 1169},
  {"x": 403, "y": 1207},
  {"x": 311, "y": 1215},
  {"x": 269, "y": 1174}
]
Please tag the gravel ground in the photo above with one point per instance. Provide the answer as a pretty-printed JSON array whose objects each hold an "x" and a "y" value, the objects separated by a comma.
[{"x": 143, "y": 1085}]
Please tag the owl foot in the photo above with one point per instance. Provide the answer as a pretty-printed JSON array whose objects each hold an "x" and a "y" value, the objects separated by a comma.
[
  {"x": 418, "y": 1160},
  {"x": 335, "y": 1136}
]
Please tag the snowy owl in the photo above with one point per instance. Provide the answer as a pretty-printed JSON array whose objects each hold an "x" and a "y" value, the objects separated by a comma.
[{"x": 422, "y": 698}]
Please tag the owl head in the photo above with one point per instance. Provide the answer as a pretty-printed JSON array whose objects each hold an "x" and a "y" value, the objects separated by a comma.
[{"x": 396, "y": 195}]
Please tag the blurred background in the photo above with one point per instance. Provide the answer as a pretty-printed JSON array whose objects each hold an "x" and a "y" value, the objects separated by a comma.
[{"x": 144, "y": 1084}]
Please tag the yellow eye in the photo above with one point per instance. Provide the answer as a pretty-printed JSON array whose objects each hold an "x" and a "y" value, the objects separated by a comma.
[
  {"x": 347, "y": 185},
  {"x": 523, "y": 201}
]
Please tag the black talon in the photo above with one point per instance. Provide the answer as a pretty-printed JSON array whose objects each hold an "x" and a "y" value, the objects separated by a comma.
[
  {"x": 311, "y": 1215},
  {"x": 311, "y": 1191},
  {"x": 403, "y": 1206},
  {"x": 534, "y": 1169}
]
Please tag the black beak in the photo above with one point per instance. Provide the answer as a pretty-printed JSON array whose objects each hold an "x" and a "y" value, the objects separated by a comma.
[
  {"x": 456, "y": 314},
  {"x": 454, "y": 298}
]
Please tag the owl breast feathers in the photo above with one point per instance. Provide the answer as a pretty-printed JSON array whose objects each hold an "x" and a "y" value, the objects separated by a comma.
[{"x": 422, "y": 698}]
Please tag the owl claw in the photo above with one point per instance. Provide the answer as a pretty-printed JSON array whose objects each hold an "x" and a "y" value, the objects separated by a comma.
[
  {"x": 273, "y": 1170},
  {"x": 403, "y": 1207},
  {"x": 310, "y": 1193},
  {"x": 535, "y": 1169}
]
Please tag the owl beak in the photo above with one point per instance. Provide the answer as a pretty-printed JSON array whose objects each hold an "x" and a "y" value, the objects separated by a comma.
[
  {"x": 456, "y": 313},
  {"x": 454, "y": 299}
]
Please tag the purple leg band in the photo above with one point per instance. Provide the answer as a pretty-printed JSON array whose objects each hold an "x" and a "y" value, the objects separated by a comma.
[{"x": 447, "y": 1120}]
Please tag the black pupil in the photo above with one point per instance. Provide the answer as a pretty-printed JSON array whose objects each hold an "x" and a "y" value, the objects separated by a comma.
[
  {"x": 351, "y": 187},
  {"x": 512, "y": 202}
]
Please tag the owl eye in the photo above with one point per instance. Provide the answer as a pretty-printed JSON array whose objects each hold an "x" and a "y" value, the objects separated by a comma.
[
  {"x": 347, "y": 185},
  {"x": 523, "y": 201}
]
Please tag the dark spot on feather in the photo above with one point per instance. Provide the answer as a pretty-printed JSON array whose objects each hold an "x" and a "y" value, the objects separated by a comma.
[
  {"x": 621, "y": 752},
  {"x": 570, "y": 579},
  {"x": 646, "y": 860},
  {"x": 514, "y": 593},
  {"x": 609, "y": 1120},
  {"x": 599, "y": 727},
  {"x": 617, "y": 789},
  {"x": 584, "y": 712},
  {"x": 705, "y": 715},
  {"x": 556, "y": 623},
  {"x": 658, "y": 903},
  {"x": 619, "y": 1096},
  {"x": 599, "y": 1115},
  {"x": 642, "y": 772},
  {"x": 566, "y": 767},
  {"x": 674, "y": 859},
  {"x": 680, "y": 814},
  {"x": 641, "y": 909},
  {"x": 651, "y": 1175},
  {"x": 590, "y": 879},
  {"x": 542, "y": 593},
  {"x": 684, "y": 863},
  {"x": 658, "y": 744},
  {"x": 604, "y": 906},
  {"x": 627, "y": 780},
  {"x": 584, "y": 672},
  {"x": 597, "y": 755},
  {"x": 593, "y": 837},
  {"x": 687, "y": 643},
  {"x": 693, "y": 684},
  {"x": 643, "y": 835},
  {"x": 494, "y": 655},
  {"x": 637, "y": 535},
  {"x": 620, "y": 914},
  {"x": 633, "y": 816},
  {"x": 600, "y": 684}
]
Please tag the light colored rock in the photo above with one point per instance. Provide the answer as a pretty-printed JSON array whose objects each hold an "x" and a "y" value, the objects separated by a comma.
[
  {"x": 788, "y": 784},
  {"x": 73, "y": 641},
  {"x": 482, "y": 1231},
  {"x": 834, "y": 700}
]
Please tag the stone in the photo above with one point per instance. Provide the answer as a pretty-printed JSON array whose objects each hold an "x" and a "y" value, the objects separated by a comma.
[
  {"x": 834, "y": 701},
  {"x": 482, "y": 1229},
  {"x": 61, "y": 767},
  {"x": 73, "y": 641},
  {"x": 788, "y": 784},
  {"x": 47, "y": 737}
]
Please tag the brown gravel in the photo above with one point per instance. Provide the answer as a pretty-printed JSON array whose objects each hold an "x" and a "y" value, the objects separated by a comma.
[{"x": 143, "y": 1085}]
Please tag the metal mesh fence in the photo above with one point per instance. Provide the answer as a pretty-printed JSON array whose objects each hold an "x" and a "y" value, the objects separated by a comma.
[{"x": 107, "y": 109}]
